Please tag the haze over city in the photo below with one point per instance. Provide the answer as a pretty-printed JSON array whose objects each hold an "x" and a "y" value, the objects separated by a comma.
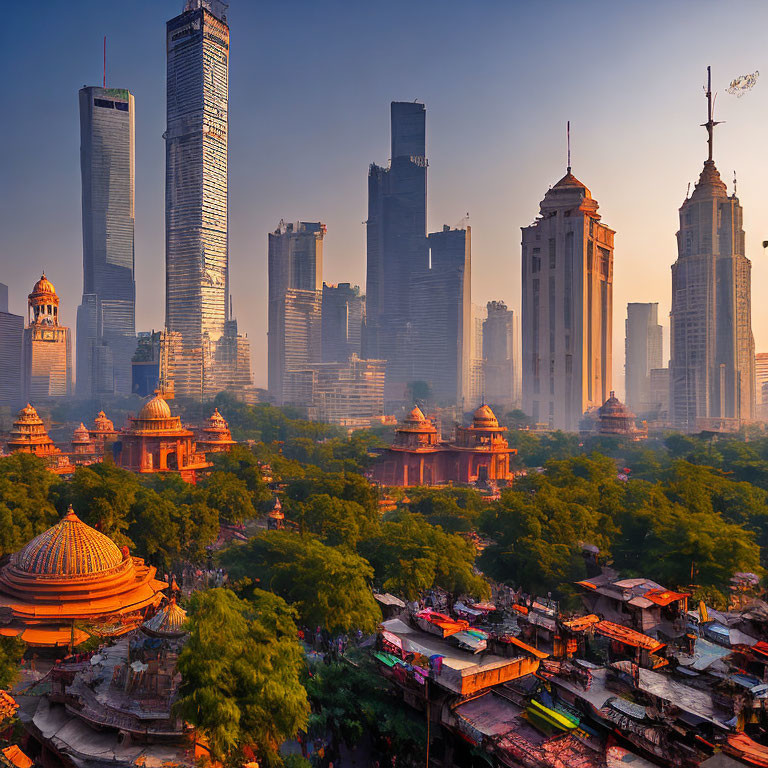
[{"x": 309, "y": 94}]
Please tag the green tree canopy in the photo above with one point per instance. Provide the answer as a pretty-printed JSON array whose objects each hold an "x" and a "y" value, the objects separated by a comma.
[
  {"x": 241, "y": 673},
  {"x": 229, "y": 495}
]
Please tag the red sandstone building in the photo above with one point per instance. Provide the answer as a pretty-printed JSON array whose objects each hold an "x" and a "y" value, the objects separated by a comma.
[
  {"x": 156, "y": 441},
  {"x": 215, "y": 436},
  {"x": 30, "y": 436},
  {"x": 479, "y": 453}
]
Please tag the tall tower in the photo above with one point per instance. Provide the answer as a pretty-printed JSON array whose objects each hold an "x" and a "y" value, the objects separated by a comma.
[
  {"x": 501, "y": 356},
  {"x": 343, "y": 314},
  {"x": 196, "y": 234},
  {"x": 396, "y": 245},
  {"x": 11, "y": 343},
  {"x": 567, "y": 310},
  {"x": 712, "y": 357},
  {"x": 295, "y": 300},
  {"x": 644, "y": 352},
  {"x": 47, "y": 353},
  {"x": 106, "y": 328}
]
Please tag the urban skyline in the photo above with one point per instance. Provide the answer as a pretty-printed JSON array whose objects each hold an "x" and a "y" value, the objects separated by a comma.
[{"x": 666, "y": 92}]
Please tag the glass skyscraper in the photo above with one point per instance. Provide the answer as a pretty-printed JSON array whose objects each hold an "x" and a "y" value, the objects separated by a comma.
[
  {"x": 106, "y": 332},
  {"x": 196, "y": 255}
]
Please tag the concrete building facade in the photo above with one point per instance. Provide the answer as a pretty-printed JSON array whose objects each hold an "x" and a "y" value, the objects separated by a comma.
[
  {"x": 343, "y": 315},
  {"x": 567, "y": 307},
  {"x": 11, "y": 345},
  {"x": 712, "y": 355},
  {"x": 643, "y": 351},
  {"x": 106, "y": 317},
  {"x": 501, "y": 356}
]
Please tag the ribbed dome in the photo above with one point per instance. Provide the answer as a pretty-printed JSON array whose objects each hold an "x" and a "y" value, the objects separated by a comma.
[
  {"x": 70, "y": 548},
  {"x": 485, "y": 417},
  {"x": 156, "y": 408},
  {"x": 43, "y": 286},
  {"x": 169, "y": 621}
]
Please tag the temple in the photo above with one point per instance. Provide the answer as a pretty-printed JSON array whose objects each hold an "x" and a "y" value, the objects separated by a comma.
[
  {"x": 30, "y": 436},
  {"x": 615, "y": 418},
  {"x": 478, "y": 454},
  {"x": 69, "y": 579},
  {"x": 156, "y": 441},
  {"x": 102, "y": 432},
  {"x": 215, "y": 436}
]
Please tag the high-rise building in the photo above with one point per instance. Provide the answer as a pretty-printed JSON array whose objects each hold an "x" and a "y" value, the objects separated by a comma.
[
  {"x": 47, "y": 351},
  {"x": 659, "y": 393},
  {"x": 712, "y": 356},
  {"x": 567, "y": 280},
  {"x": 106, "y": 331},
  {"x": 342, "y": 323},
  {"x": 643, "y": 351},
  {"x": 441, "y": 315},
  {"x": 349, "y": 393},
  {"x": 11, "y": 339},
  {"x": 396, "y": 245},
  {"x": 196, "y": 223},
  {"x": 295, "y": 300},
  {"x": 761, "y": 379},
  {"x": 476, "y": 386},
  {"x": 501, "y": 356}
]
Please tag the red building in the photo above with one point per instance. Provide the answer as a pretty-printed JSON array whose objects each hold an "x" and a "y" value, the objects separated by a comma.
[
  {"x": 479, "y": 453},
  {"x": 102, "y": 432},
  {"x": 215, "y": 436},
  {"x": 156, "y": 441},
  {"x": 30, "y": 436}
]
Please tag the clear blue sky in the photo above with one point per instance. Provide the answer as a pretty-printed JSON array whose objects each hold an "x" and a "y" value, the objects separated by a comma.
[{"x": 310, "y": 86}]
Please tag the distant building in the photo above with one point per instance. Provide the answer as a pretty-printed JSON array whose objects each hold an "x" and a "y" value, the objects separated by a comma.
[
  {"x": 11, "y": 345},
  {"x": 343, "y": 314},
  {"x": 659, "y": 392},
  {"x": 232, "y": 369},
  {"x": 348, "y": 393},
  {"x": 761, "y": 379},
  {"x": 616, "y": 420},
  {"x": 106, "y": 331},
  {"x": 567, "y": 281},
  {"x": 214, "y": 436},
  {"x": 295, "y": 300},
  {"x": 644, "y": 351},
  {"x": 47, "y": 356},
  {"x": 501, "y": 356},
  {"x": 479, "y": 453},
  {"x": 154, "y": 363},
  {"x": 476, "y": 384},
  {"x": 396, "y": 245},
  {"x": 441, "y": 316},
  {"x": 712, "y": 356},
  {"x": 29, "y": 435}
]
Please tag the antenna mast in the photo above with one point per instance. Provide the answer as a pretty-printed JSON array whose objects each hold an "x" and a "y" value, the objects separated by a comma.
[
  {"x": 568, "y": 142},
  {"x": 104, "y": 81},
  {"x": 711, "y": 123}
]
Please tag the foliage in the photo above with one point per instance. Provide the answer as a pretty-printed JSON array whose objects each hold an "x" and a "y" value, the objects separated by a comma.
[
  {"x": 409, "y": 556},
  {"x": 228, "y": 494},
  {"x": 11, "y": 652},
  {"x": 243, "y": 463},
  {"x": 336, "y": 521},
  {"x": 457, "y": 510},
  {"x": 327, "y": 586},
  {"x": 241, "y": 673},
  {"x": 341, "y": 485}
]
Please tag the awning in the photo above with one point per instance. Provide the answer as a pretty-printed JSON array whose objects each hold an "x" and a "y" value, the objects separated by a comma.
[{"x": 628, "y": 636}]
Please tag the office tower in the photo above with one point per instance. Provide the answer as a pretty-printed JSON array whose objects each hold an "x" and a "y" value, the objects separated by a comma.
[
  {"x": 501, "y": 356},
  {"x": 11, "y": 338},
  {"x": 196, "y": 227},
  {"x": 396, "y": 245},
  {"x": 476, "y": 386},
  {"x": 441, "y": 314},
  {"x": 349, "y": 393},
  {"x": 761, "y": 378},
  {"x": 343, "y": 314},
  {"x": 567, "y": 271},
  {"x": 154, "y": 364},
  {"x": 712, "y": 356},
  {"x": 643, "y": 351},
  {"x": 659, "y": 393},
  {"x": 47, "y": 354},
  {"x": 233, "y": 361},
  {"x": 106, "y": 332},
  {"x": 295, "y": 299}
]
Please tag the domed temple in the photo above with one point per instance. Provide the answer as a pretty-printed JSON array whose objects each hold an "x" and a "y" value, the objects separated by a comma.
[
  {"x": 215, "y": 436},
  {"x": 72, "y": 578},
  {"x": 615, "y": 418},
  {"x": 156, "y": 441},
  {"x": 102, "y": 432},
  {"x": 417, "y": 456},
  {"x": 29, "y": 435}
]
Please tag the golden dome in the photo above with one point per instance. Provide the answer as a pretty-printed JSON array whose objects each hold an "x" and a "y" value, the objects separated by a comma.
[
  {"x": 70, "y": 548},
  {"x": 168, "y": 621},
  {"x": 156, "y": 408},
  {"x": 416, "y": 415},
  {"x": 28, "y": 415},
  {"x": 42, "y": 287},
  {"x": 484, "y": 418},
  {"x": 217, "y": 421}
]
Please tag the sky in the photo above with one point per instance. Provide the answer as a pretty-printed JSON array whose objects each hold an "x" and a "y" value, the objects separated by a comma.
[{"x": 310, "y": 86}]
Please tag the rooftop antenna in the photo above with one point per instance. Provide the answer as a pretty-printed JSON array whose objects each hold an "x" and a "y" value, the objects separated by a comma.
[
  {"x": 711, "y": 123},
  {"x": 688, "y": 191},
  {"x": 568, "y": 142},
  {"x": 104, "y": 81},
  {"x": 734, "y": 183}
]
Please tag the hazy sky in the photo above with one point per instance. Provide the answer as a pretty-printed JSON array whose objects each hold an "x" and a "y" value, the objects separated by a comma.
[{"x": 310, "y": 87}]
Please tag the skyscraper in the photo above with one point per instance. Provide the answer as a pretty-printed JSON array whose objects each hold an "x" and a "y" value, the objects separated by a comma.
[
  {"x": 396, "y": 244},
  {"x": 11, "y": 336},
  {"x": 441, "y": 316},
  {"x": 295, "y": 299},
  {"x": 567, "y": 276},
  {"x": 196, "y": 144},
  {"x": 106, "y": 332},
  {"x": 712, "y": 356},
  {"x": 501, "y": 356},
  {"x": 643, "y": 352},
  {"x": 476, "y": 387},
  {"x": 342, "y": 322},
  {"x": 47, "y": 352}
]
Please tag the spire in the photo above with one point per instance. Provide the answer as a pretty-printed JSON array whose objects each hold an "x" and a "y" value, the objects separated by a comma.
[
  {"x": 711, "y": 123},
  {"x": 568, "y": 143}
]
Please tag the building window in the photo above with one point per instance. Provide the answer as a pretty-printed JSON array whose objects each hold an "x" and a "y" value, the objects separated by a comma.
[
  {"x": 121, "y": 105},
  {"x": 106, "y": 103},
  {"x": 552, "y": 253},
  {"x": 536, "y": 260}
]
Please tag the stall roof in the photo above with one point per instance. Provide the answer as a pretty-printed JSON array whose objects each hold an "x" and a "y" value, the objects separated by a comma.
[{"x": 628, "y": 636}]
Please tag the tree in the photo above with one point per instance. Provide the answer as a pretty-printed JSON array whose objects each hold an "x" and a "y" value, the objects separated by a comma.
[
  {"x": 457, "y": 510},
  {"x": 241, "y": 673},
  {"x": 11, "y": 653},
  {"x": 342, "y": 485},
  {"x": 328, "y": 587},
  {"x": 229, "y": 495},
  {"x": 242, "y": 462},
  {"x": 336, "y": 521},
  {"x": 410, "y": 556}
]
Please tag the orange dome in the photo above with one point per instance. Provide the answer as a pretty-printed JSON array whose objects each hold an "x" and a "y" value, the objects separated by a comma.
[
  {"x": 43, "y": 286},
  {"x": 416, "y": 415},
  {"x": 168, "y": 621},
  {"x": 28, "y": 415},
  {"x": 484, "y": 417},
  {"x": 102, "y": 424},
  {"x": 156, "y": 408},
  {"x": 217, "y": 421},
  {"x": 70, "y": 548}
]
